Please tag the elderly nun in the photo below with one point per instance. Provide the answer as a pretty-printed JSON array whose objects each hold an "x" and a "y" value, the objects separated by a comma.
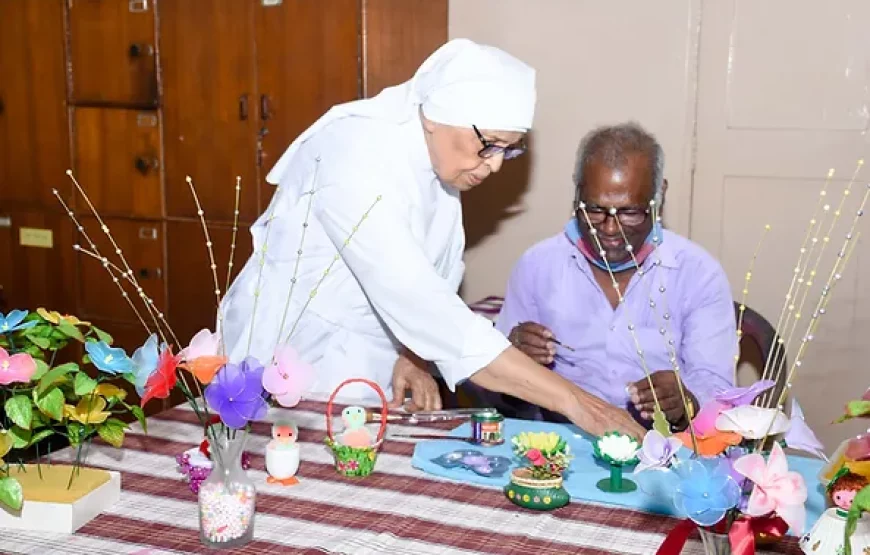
[{"x": 358, "y": 258}]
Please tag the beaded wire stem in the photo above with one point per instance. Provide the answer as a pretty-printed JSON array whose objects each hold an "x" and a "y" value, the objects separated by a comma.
[
  {"x": 820, "y": 309},
  {"x": 665, "y": 329},
  {"x": 658, "y": 415},
  {"x": 235, "y": 233},
  {"x": 741, "y": 308},
  {"x": 335, "y": 259},
  {"x": 791, "y": 289},
  {"x": 262, "y": 264}
]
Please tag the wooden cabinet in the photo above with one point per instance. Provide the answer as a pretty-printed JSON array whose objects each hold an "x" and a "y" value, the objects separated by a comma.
[
  {"x": 113, "y": 52},
  {"x": 34, "y": 133}
]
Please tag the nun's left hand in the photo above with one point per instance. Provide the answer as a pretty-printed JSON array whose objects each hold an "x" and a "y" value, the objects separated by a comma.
[{"x": 410, "y": 374}]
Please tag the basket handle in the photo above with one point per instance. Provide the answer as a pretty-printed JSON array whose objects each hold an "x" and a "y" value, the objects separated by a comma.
[{"x": 373, "y": 385}]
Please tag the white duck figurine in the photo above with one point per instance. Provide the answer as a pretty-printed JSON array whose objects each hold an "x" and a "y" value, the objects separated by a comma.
[{"x": 282, "y": 454}]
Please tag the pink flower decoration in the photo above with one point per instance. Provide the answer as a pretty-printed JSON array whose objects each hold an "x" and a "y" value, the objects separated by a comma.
[
  {"x": 776, "y": 488},
  {"x": 16, "y": 368},
  {"x": 203, "y": 344},
  {"x": 536, "y": 458},
  {"x": 704, "y": 422},
  {"x": 288, "y": 377}
]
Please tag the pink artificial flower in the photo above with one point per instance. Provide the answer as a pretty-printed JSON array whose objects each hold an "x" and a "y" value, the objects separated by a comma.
[
  {"x": 203, "y": 344},
  {"x": 16, "y": 368},
  {"x": 288, "y": 377},
  {"x": 776, "y": 488},
  {"x": 536, "y": 458}
]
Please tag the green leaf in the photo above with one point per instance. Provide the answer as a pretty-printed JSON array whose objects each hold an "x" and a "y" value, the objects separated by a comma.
[
  {"x": 75, "y": 432},
  {"x": 84, "y": 384},
  {"x": 20, "y": 437},
  {"x": 41, "y": 368},
  {"x": 39, "y": 436},
  {"x": 19, "y": 409},
  {"x": 112, "y": 432},
  {"x": 11, "y": 493},
  {"x": 86, "y": 359},
  {"x": 140, "y": 416},
  {"x": 70, "y": 330},
  {"x": 40, "y": 342},
  {"x": 56, "y": 374},
  {"x": 102, "y": 336},
  {"x": 50, "y": 402},
  {"x": 660, "y": 423}
]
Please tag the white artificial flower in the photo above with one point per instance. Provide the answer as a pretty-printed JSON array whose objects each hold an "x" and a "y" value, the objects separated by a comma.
[
  {"x": 620, "y": 448},
  {"x": 753, "y": 422}
]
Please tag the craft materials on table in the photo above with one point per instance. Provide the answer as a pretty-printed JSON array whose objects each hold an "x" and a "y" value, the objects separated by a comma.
[
  {"x": 586, "y": 471},
  {"x": 617, "y": 450},
  {"x": 537, "y": 484}
]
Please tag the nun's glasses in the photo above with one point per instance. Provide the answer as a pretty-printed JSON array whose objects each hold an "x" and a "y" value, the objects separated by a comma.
[{"x": 490, "y": 149}]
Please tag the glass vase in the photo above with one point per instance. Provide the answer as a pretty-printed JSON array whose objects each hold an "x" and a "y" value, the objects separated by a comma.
[
  {"x": 227, "y": 498},
  {"x": 715, "y": 543}
]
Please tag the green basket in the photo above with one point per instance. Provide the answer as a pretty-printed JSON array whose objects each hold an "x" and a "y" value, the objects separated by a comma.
[{"x": 357, "y": 462}]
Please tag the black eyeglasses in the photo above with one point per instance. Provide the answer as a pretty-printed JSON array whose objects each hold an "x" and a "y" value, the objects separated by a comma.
[
  {"x": 628, "y": 216},
  {"x": 489, "y": 149}
]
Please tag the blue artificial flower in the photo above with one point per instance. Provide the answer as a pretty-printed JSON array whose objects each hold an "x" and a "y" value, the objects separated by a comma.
[
  {"x": 12, "y": 321},
  {"x": 145, "y": 363},
  {"x": 705, "y": 491},
  {"x": 111, "y": 360}
]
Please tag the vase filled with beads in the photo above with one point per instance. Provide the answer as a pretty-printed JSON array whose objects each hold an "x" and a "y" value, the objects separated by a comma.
[{"x": 227, "y": 498}]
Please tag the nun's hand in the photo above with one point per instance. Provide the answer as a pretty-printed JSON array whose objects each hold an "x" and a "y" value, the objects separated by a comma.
[
  {"x": 535, "y": 341},
  {"x": 410, "y": 374}
]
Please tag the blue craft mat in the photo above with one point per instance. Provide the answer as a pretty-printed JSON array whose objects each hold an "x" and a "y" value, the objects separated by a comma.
[{"x": 586, "y": 470}]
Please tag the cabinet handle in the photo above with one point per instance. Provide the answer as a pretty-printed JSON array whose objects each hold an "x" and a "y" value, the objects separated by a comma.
[
  {"x": 140, "y": 50},
  {"x": 243, "y": 107},
  {"x": 2, "y": 107},
  {"x": 144, "y": 165},
  {"x": 265, "y": 107},
  {"x": 150, "y": 273}
]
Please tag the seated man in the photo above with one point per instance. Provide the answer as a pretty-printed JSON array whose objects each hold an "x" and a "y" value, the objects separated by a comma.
[{"x": 562, "y": 309}]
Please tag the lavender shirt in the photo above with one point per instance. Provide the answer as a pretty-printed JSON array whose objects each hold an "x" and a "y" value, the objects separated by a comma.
[{"x": 552, "y": 284}]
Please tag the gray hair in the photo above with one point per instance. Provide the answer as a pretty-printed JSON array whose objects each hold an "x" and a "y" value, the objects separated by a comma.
[{"x": 611, "y": 146}]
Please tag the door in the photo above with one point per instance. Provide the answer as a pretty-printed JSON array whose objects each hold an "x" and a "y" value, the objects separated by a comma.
[
  {"x": 210, "y": 113},
  {"x": 34, "y": 148},
  {"x": 117, "y": 160},
  {"x": 307, "y": 61},
  {"x": 113, "y": 53},
  {"x": 783, "y": 96}
]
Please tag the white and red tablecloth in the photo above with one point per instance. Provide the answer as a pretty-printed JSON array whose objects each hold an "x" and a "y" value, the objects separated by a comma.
[{"x": 397, "y": 510}]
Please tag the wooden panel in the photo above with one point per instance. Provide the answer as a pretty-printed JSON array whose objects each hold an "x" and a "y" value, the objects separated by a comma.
[
  {"x": 192, "y": 305},
  {"x": 112, "y": 53},
  {"x": 398, "y": 36},
  {"x": 142, "y": 245},
  {"x": 31, "y": 276},
  {"x": 117, "y": 160},
  {"x": 308, "y": 54},
  {"x": 210, "y": 118},
  {"x": 34, "y": 148}
]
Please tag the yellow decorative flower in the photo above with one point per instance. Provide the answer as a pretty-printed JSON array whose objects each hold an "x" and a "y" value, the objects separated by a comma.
[
  {"x": 547, "y": 500},
  {"x": 108, "y": 390},
  {"x": 56, "y": 317},
  {"x": 526, "y": 498},
  {"x": 89, "y": 410},
  {"x": 511, "y": 493}
]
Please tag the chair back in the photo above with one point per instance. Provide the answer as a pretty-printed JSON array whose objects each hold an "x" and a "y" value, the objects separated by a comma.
[{"x": 760, "y": 335}]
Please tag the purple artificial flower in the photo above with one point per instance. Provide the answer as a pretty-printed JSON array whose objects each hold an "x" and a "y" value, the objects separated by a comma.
[
  {"x": 800, "y": 436},
  {"x": 739, "y": 396},
  {"x": 236, "y": 393},
  {"x": 657, "y": 451}
]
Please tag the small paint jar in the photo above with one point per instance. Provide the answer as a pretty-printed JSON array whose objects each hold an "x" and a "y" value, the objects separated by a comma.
[{"x": 487, "y": 428}]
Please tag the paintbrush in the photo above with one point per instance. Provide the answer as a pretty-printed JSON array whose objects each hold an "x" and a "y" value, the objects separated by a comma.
[{"x": 557, "y": 342}]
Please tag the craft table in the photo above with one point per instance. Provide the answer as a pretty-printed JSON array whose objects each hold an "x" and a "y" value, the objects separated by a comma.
[{"x": 398, "y": 510}]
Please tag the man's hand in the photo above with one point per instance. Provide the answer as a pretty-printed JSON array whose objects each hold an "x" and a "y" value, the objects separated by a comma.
[
  {"x": 409, "y": 373},
  {"x": 535, "y": 341},
  {"x": 668, "y": 392}
]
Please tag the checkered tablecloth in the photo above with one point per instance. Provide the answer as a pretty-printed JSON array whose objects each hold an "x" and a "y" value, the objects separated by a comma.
[{"x": 397, "y": 510}]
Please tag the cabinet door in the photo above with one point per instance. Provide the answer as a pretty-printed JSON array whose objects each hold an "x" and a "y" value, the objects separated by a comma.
[
  {"x": 307, "y": 61},
  {"x": 34, "y": 143},
  {"x": 38, "y": 260},
  {"x": 141, "y": 243},
  {"x": 210, "y": 119},
  {"x": 190, "y": 283},
  {"x": 117, "y": 160},
  {"x": 112, "y": 53}
]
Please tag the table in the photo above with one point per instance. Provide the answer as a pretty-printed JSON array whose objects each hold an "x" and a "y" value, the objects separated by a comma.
[{"x": 397, "y": 510}]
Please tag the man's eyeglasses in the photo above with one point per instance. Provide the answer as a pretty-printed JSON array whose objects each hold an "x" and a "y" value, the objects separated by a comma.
[
  {"x": 628, "y": 216},
  {"x": 489, "y": 149}
]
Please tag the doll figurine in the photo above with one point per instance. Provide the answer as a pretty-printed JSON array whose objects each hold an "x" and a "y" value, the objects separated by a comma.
[
  {"x": 826, "y": 536},
  {"x": 282, "y": 454},
  {"x": 355, "y": 432}
]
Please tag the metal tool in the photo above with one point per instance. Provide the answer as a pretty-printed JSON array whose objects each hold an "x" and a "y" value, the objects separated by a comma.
[{"x": 427, "y": 416}]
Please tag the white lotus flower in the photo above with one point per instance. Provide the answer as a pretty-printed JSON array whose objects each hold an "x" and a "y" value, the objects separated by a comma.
[
  {"x": 753, "y": 422},
  {"x": 620, "y": 448}
]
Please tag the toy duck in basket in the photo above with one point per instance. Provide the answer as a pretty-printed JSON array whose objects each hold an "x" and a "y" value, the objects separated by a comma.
[
  {"x": 355, "y": 432},
  {"x": 282, "y": 454}
]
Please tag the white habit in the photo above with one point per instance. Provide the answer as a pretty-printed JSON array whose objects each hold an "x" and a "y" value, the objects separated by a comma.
[{"x": 395, "y": 281}]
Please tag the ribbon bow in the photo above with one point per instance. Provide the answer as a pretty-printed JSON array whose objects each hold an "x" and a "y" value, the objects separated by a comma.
[{"x": 741, "y": 536}]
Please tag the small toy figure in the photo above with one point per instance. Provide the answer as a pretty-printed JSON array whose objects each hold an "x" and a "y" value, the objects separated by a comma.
[
  {"x": 282, "y": 454},
  {"x": 355, "y": 432},
  {"x": 827, "y": 534}
]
